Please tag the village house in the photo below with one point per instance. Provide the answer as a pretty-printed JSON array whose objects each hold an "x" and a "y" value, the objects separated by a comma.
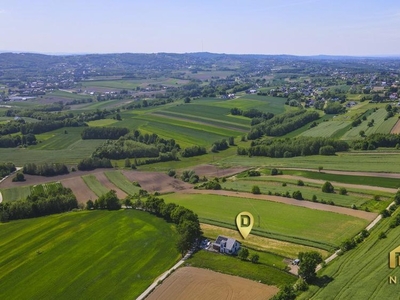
[{"x": 226, "y": 245}]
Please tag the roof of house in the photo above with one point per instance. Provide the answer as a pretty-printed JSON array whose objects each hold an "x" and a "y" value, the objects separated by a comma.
[{"x": 229, "y": 242}]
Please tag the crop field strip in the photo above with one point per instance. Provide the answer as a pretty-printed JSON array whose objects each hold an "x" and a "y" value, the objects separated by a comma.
[
  {"x": 209, "y": 112},
  {"x": 59, "y": 251},
  {"x": 344, "y": 161},
  {"x": 326, "y": 129},
  {"x": 310, "y": 227},
  {"x": 203, "y": 120},
  {"x": 264, "y": 103},
  {"x": 119, "y": 180},
  {"x": 92, "y": 182},
  {"x": 307, "y": 191}
]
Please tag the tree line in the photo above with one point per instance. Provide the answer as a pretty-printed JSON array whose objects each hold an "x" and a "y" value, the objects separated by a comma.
[
  {"x": 109, "y": 133},
  {"x": 12, "y": 141},
  {"x": 92, "y": 163},
  {"x": 39, "y": 203},
  {"x": 282, "y": 124},
  {"x": 6, "y": 169},
  {"x": 193, "y": 151},
  {"x": 377, "y": 140},
  {"x": 300, "y": 146},
  {"x": 45, "y": 169}
]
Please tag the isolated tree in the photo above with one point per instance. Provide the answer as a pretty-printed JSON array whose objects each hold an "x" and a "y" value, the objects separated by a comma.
[
  {"x": 362, "y": 133},
  {"x": 308, "y": 262},
  {"x": 89, "y": 205},
  {"x": 255, "y": 190},
  {"x": 328, "y": 187},
  {"x": 243, "y": 253},
  {"x": 127, "y": 163},
  {"x": 320, "y": 168},
  {"x": 19, "y": 177},
  {"x": 187, "y": 100},
  {"x": 231, "y": 141},
  {"x": 297, "y": 195},
  {"x": 343, "y": 191},
  {"x": 127, "y": 202}
]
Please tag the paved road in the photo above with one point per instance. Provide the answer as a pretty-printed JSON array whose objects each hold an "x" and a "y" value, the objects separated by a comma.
[{"x": 163, "y": 276}]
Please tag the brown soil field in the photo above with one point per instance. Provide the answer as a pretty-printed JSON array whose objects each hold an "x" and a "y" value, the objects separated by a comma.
[
  {"x": 106, "y": 183},
  {"x": 214, "y": 171},
  {"x": 313, "y": 205},
  {"x": 396, "y": 128},
  {"x": 194, "y": 283},
  {"x": 79, "y": 188},
  {"x": 157, "y": 182}
]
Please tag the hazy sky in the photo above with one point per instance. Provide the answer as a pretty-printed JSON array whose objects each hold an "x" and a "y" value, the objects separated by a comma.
[{"x": 300, "y": 27}]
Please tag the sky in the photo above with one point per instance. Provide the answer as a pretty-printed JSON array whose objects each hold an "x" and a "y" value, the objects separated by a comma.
[{"x": 297, "y": 27}]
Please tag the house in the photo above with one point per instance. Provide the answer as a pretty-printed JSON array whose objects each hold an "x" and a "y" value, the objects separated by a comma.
[{"x": 226, "y": 245}]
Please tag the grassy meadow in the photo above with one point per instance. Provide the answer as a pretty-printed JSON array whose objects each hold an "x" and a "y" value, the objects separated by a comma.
[
  {"x": 21, "y": 192},
  {"x": 280, "y": 221},
  {"x": 120, "y": 181},
  {"x": 84, "y": 255},
  {"x": 93, "y": 184}
]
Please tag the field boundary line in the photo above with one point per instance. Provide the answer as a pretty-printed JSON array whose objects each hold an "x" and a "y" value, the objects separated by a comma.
[{"x": 163, "y": 276}]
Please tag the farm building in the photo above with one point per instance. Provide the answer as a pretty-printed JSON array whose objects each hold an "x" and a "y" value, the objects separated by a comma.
[{"x": 226, "y": 245}]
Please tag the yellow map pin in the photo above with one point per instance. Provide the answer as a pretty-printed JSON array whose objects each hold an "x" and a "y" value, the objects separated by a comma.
[{"x": 244, "y": 223}]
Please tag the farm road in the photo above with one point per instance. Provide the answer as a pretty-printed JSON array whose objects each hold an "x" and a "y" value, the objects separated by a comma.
[{"x": 319, "y": 206}]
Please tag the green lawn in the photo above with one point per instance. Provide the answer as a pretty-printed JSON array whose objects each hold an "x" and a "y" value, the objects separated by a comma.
[
  {"x": 120, "y": 181},
  {"x": 93, "y": 184},
  {"x": 84, "y": 255},
  {"x": 310, "y": 227},
  {"x": 361, "y": 273},
  {"x": 269, "y": 270}
]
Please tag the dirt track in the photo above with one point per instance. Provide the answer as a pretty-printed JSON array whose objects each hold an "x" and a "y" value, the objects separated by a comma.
[
  {"x": 194, "y": 283},
  {"x": 308, "y": 204}
]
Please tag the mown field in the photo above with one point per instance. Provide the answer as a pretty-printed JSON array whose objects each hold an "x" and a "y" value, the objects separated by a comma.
[
  {"x": 84, "y": 255},
  {"x": 120, "y": 181},
  {"x": 361, "y": 273},
  {"x": 300, "y": 225}
]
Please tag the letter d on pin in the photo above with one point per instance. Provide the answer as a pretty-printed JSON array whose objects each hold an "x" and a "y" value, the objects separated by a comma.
[{"x": 244, "y": 223}]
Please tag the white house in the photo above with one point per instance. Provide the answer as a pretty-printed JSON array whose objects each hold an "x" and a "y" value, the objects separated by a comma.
[{"x": 226, "y": 245}]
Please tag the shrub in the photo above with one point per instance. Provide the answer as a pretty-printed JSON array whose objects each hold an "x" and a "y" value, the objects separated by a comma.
[
  {"x": 328, "y": 187},
  {"x": 171, "y": 173},
  {"x": 314, "y": 198},
  {"x": 255, "y": 258},
  {"x": 255, "y": 190},
  {"x": 353, "y": 206},
  {"x": 342, "y": 191},
  {"x": 243, "y": 253},
  {"x": 252, "y": 173},
  {"x": 382, "y": 235},
  {"x": 284, "y": 184},
  {"x": 300, "y": 182},
  {"x": 385, "y": 213},
  {"x": 297, "y": 195},
  {"x": 19, "y": 177},
  {"x": 274, "y": 172}
]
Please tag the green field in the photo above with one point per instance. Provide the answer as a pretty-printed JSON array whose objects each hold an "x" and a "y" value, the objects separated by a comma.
[
  {"x": 308, "y": 191},
  {"x": 300, "y": 225},
  {"x": 58, "y": 139},
  {"x": 364, "y": 180},
  {"x": 380, "y": 125},
  {"x": 264, "y": 103},
  {"x": 120, "y": 181},
  {"x": 326, "y": 129},
  {"x": 368, "y": 161},
  {"x": 361, "y": 273},
  {"x": 113, "y": 84},
  {"x": 21, "y": 192},
  {"x": 17, "y": 193},
  {"x": 84, "y": 255},
  {"x": 93, "y": 184},
  {"x": 269, "y": 270}
]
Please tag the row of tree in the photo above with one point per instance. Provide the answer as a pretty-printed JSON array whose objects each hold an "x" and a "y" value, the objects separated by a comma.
[
  {"x": 251, "y": 113},
  {"x": 282, "y": 124},
  {"x": 6, "y": 169},
  {"x": 40, "y": 203},
  {"x": 92, "y": 163},
  {"x": 109, "y": 133},
  {"x": 300, "y": 146},
  {"x": 11, "y": 141},
  {"x": 45, "y": 169},
  {"x": 377, "y": 140},
  {"x": 193, "y": 151}
]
